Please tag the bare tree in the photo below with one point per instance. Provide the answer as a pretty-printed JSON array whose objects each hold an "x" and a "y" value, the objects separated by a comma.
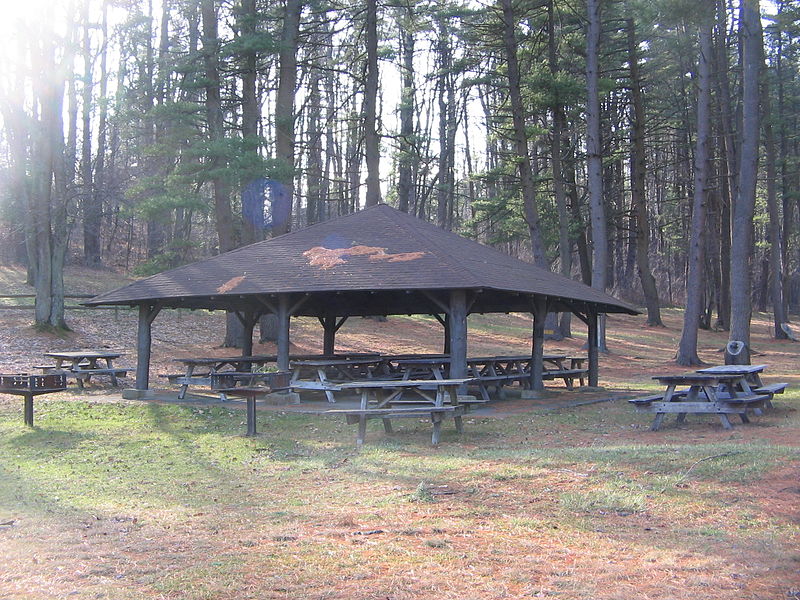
[
  {"x": 743, "y": 208},
  {"x": 520, "y": 136},
  {"x": 371, "y": 136},
  {"x": 638, "y": 174},
  {"x": 594, "y": 157},
  {"x": 687, "y": 349}
]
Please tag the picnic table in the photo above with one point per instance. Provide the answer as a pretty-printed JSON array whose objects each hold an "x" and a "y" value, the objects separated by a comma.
[
  {"x": 752, "y": 380},
  {"x": 327, "y": 373},
  {"x": 83, "y": 364},
  {"x": 722, "y": 394},
  {"x": 444, "y": 401},
  {"x": 497, "y": 371},
  {"x": 198, "y": 370}
]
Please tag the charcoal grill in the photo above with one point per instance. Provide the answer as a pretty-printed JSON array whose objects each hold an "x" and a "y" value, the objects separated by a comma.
[{"x": 28, "y": 386}]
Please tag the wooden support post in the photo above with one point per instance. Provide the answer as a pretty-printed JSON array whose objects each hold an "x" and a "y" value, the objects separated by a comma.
[
  {"x": 537, "y": 342},
  {"x": 458, "y": 333},
  {"x": 249, "y": 323},
  {"x": 446, "y": 324},
  {"x": 147, "y": 313},
  {"x": 329, "y": 336},
  {"x": 592, "y": 345},
  {"x": 284, "y": 317}
]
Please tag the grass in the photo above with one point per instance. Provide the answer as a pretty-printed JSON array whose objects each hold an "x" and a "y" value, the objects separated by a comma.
[
  {"x": 115, "y": 500},
  {"x": 288, "y": 509}
]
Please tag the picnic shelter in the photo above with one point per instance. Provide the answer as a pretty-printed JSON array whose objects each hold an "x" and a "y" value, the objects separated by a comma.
[{"x": 376, "y": 262}]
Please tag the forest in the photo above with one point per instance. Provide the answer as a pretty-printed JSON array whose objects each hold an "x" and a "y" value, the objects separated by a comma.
[{"x": 644, "y": 147}]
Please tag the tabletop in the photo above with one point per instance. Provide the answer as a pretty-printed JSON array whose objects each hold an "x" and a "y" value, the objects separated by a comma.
[
  {"x": 73, "y": 354},
  {"x": 334, "y": 362},
  {"x": 733, "y": 369},
  {"x": 210, "y": 360},
  {"x": 397, "y": 383},
  {"x": 694, "y": 378}
]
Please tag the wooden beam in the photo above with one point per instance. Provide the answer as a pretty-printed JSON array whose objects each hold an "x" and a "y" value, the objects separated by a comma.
[
  {"x": 329, "y": 335},
  {"x": 458, "y": 333},
  {"x": 446, "y": 348},
  {"x": 284, "y": 318},
  {"x": 147, "y": 313},
  {"x": 296, "y": 306},
  {"x": 273, "y": 308},
  {"x": 444, "y": 307},
  {"x": 594, "y": 351},
  {"x": 249, "y": 319}
]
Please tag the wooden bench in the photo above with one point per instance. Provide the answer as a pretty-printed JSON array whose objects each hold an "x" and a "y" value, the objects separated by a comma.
[
  {"x": 46, "y": 369},
  {"x": 568, "y": 375},
  {"x": 85, "y": 375},
  {"x": 773, "y": 388},
  {"x": 436, "y": 413},
  {"x": 484, "y": 381},
  {"x": 466, "y": 402},
  {"x": 645, "y": 400},
  {"x": 179, "y": 378},
  {"x": 770, "y": 390}
]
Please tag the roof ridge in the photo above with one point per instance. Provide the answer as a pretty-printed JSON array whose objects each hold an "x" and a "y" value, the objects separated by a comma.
[
  {"x": 452, "y": 261},
  {"x": 241, "y": 248}
]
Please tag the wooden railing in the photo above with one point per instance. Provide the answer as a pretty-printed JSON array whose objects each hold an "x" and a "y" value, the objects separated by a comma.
[{"x": 66, "y": 306}]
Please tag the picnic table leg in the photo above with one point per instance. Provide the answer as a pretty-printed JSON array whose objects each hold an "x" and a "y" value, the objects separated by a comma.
[
  {"x": 251, "y": 414},
  {"x": 484, "y": 390},
  {"x": 362, "y": 429},
  {"x": 362, "y": 418},
  {"x": 380, "y": 397},
  {"x": 657, "y": 422},
  {"x": 28, "y": 409},
  {"x": 437, "y": 428},
  {"x": 453, "y": 392},
  {"x": 78, "y": 377},
  {"x": 324, "y": 380},
  {"x": 185, "y": 386},
  {"x": 577, "y": 363},
  {"x": 726, "y": 422},
  {"x": 110, "y": 366}
]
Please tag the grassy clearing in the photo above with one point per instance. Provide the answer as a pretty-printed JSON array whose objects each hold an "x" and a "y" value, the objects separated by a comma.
[
  {"x": 298, "y": 511},
  {"x": 124, "y": 501}
]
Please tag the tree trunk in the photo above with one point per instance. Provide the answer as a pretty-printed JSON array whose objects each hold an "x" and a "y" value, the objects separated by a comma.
[
  {"x": 100, "y": 188},
  {"x": 776, "y": 252},
  {"x": 284, "y": 119},
  {"x": 729, "y": 152},
  {"x": 520, "y": 136},
  {"x": 638, "y": 170},
  {"x": 216, "y": 126},
  {"x": 49, "y": 186},
  {"x": 595, "y": 159},
  {"x": 561, "y": 328},
  {"x": 406, "y": 162},
  {"x": 92, "y": 210},
  {"x": 371, "y": 137},
  {"x": 252, "y": 193},
  {"x": 742, "y": 222},
  {"x": 687, "y": 350}
]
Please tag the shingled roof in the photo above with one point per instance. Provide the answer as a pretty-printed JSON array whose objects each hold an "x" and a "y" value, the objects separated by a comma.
[{"x": 376, "y": 261}]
